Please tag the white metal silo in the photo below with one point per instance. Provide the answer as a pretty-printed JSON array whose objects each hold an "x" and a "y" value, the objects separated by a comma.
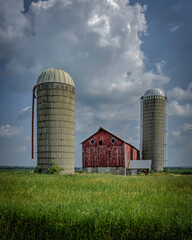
[
  {"x": 55, "y": 120},
  {"x": 153, "y": 128}
]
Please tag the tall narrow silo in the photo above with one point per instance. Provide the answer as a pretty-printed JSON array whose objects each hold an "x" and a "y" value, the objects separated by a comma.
[
  {"x": 55, "y": 120},
  {"x": 153, "y": 105}
]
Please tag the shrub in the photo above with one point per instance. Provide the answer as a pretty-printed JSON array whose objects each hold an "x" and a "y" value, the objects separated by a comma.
[
  {"x": 37, "y": 170},
  {"x": 55, "y": 169}
]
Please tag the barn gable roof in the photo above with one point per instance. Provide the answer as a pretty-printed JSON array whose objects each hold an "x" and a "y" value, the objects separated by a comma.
[{"x": 103, "y": 129}]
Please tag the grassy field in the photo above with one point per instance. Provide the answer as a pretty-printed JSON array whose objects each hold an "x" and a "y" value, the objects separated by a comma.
[
  {"x": 95, "y": 206},
  {"x": 182, "y": 171}
]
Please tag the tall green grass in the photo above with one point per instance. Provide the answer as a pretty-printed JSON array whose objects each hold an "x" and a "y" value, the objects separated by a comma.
[{"x": 95, "y": 206}]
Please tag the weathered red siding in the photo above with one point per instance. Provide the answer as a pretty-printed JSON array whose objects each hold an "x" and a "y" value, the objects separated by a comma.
[
  {"x": 105, "y": 155},
  {"x": 134, "y": 154},
  {"x": 127, "y": 152},
  {"x": 108, "y": 154}
]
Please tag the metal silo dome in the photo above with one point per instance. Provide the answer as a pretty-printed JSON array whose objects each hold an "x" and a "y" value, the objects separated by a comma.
[
  {"x": 55, "y": 75},
  {"x": 154, "y": 92},
  {"x": 55, "y": 120}
]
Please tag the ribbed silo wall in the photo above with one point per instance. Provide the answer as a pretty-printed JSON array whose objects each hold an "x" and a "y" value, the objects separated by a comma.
[
  {"x": 153, "y": 131},
  {"x": 56, "y": 126}
]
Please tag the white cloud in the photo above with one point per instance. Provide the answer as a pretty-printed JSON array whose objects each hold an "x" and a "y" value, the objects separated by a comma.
[
  {"x": 180, "y": 94},
  {"x": 174, "y": 26},
  {"x": 175, "y": 133},
  {"x": 107, "y": 34},
  {"x": 10, "y": 131},
  {"x": 101, "y": 26},
  {"x": 183, "y": 136},
  {"x": 84, "y": 120},
  {"x": 175, "y": 109},
  {"x": 69, "y": 36},
  {"x": 44, "y": 4},
  {"x": 108, "y": 116},
  {"x": 113, "y": 4},
  {"x": 25, "y": 113},
  {"x": 13, "y": 27},
  {"x": 160, "y": 66},
  {"x": 98, "y": 42},
  {"x": 25, "y": 109},
  {"x": 187, "y": 127}
]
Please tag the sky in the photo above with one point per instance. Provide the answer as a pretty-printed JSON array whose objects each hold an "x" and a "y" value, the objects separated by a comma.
[{"x": 114, "y": 50}]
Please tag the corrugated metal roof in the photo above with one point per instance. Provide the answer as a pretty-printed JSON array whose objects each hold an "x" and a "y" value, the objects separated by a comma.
[
  {"x": 139, "y": 164},
  {"x": 154, "y": 92},
  {"x": 55, "y": 75}
]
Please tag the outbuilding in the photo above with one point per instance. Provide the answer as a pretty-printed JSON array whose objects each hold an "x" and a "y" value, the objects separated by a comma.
[
  {"x": 105, "y": 152},
  {"x": 140, "y": 166}
]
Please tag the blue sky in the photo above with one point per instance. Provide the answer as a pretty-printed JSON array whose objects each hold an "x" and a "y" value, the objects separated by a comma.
[{"x": 114, "y": 50}]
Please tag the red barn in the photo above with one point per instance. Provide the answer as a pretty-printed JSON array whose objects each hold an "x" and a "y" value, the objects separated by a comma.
[{"x": 105, "y": 152}]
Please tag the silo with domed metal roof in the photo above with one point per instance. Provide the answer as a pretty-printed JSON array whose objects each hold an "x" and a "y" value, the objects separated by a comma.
[
  {"x": 55, "y": 120},
  {"x": 153, "y": 127}
]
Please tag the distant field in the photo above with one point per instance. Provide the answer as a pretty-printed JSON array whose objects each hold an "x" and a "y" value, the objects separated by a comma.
[
  {"x": 179, "y": 171},
  {"x": 95, "y": 206}
]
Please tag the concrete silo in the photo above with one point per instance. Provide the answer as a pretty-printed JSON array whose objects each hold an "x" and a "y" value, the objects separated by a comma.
[
  {"x": 55, "y": 120},
  {"x": 153, "y": 127}
]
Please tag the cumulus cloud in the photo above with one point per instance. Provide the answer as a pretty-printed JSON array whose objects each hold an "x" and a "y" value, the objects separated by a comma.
[
  {"x": 13, "y": 27},
  {"x": 25, "y": 113},
  {"x": 98, "y": 42},
  {"x": 117, "y": 119},
  {"x": 188, "y": 128},
  {"x": 85, "y": 120},
  {"x": 101, "y": 39},
  {"x": 10, "y": 131},
  {"x": 160, "y": 66},
  {"x": 175, "y": 109},
  {"x": 180, "y": 94},
  {"x": 183, "y": 135}
]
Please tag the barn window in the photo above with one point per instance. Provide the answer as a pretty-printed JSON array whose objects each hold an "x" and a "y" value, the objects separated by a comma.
[
  {"x": 92, "y": 141},
  {"x": 113, "y": 140},
  {"x": 100, "y": 143}
]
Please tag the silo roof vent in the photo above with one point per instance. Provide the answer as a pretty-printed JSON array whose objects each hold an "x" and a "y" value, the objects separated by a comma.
[
  {"x": 55, "y": 75},
  {"x": 154, "y": 92}
]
